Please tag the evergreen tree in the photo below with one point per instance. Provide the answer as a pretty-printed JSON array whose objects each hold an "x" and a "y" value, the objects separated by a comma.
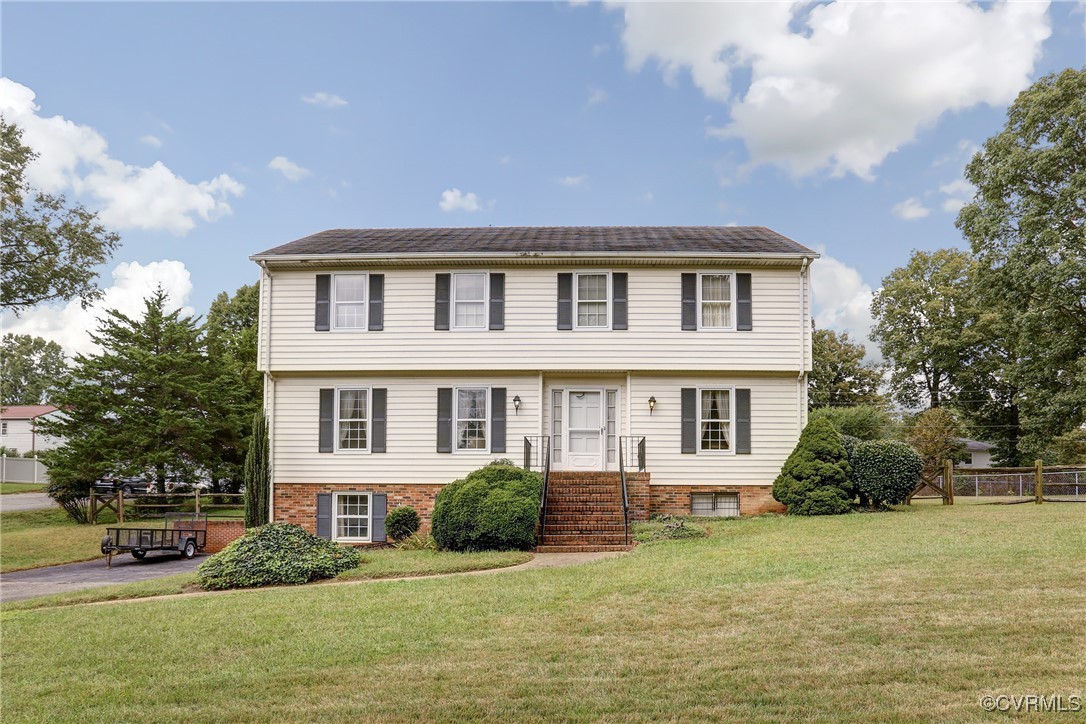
[
  {"x": 257, "y": 474},
  {"x": 145, "y": 405},
  {"x": 816, "y": 478}
]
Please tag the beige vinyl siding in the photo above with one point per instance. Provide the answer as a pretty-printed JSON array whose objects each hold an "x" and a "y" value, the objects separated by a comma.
[
  {"x": 531, "y": 339},
  {"x": 412, "y": 455},
  {"x": 774, "y": 430}
]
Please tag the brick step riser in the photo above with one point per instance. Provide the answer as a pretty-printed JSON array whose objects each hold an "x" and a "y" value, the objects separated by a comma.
[
  {"x": 588, "y": 540},
  {"x": 585, "y": 528},
  {"x": 590, "y": 497},
  {"x": 584, "y": 520}
]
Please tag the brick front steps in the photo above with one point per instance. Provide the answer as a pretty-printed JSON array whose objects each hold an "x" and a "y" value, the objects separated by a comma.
[{"x": 584, "y": 513}]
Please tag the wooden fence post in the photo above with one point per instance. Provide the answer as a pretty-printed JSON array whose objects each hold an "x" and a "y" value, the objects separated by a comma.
[
  {"x": 1038, "y": 482},
  {"x": 948, "y": 482},
  {"x": 120, "y": 506},
  {"x": 197, "y": 501}
]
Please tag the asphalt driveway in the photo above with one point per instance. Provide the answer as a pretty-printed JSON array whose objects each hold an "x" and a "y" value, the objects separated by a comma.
[
  {"x": 25, "y": 501},
  {"x": 18, "y": 585}
]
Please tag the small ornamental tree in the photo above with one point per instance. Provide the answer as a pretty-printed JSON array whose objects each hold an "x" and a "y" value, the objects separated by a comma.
[
  {"x": 935, "y": 434},
  {"x": 816, "y": 478},
  {"x": 886, "y": 471}
]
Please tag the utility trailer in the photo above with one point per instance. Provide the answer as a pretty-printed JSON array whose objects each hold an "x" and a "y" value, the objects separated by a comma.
[{"x": 184, "y": 533}]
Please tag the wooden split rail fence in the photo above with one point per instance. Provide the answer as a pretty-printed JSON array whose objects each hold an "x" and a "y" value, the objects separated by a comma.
[
  {"x": 157, "y": 504},
  {"x": 1063, "y": 486}
]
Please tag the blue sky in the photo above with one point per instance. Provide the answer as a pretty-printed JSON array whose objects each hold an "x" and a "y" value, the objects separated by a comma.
[{"x": 206, "y": 132}]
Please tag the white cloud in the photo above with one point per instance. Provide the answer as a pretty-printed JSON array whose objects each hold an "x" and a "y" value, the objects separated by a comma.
[
  {"x": 573, "y": 180},
  {"x": 910, "y": 209},
  {"x": 74, "y": 158},
  {"x": 962, "y": 153},
  {"x": 69, "y": 325},
  {"x": 596, "y": 95},
  {"x": 958, "y": 194},
  {"x": 842, "y": 301},
  {"x": 291, "y": 170},
  {"x": 455, "y": 200},
  {"x": 152, "y": 141},
  {"x": 325, "y": 100},
  {"x": 839, "y": 86}
]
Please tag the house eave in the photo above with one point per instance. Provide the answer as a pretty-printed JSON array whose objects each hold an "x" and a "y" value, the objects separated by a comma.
[{"x": 430, "y": 259}]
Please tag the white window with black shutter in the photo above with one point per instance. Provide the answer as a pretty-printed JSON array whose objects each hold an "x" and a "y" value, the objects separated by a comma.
[
  {"x": 715, "y": 420},
  {"x": 717, "y": 300},
  {"x": 349, "y": 302},
  {"x": 353, "y": 420},
  {"x": 471, "y": 419},
  {"x": 593, "y": 300},
  {"x": 469, "y": 301},
  {"x": 352, "y": 516}
]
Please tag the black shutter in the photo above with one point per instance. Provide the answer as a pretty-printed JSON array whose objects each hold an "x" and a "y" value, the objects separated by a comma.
[
  {"x": 379, "y": 425},
  {"x": 742, "y": 422},
  {"x": 324, "y": 303},
  {"x": 377, "y": 302},
  {"x": 690, "y": 302},
  {"x": 442, "y": 290},
  {"x": 444, "y": 419},
  {"x": 565, "y": 301},
  {"x": 689, "y": 420},
  {"x": 378, "y": 512},
  {"x": 324, "y": 515},
  {"x": 327, "y": 421},
  {"x": 619, "y": 297},
  {"x": 497, "y": 301},
  {"x": 745, "y": 314},
  {"x": 497, "y": 419}
]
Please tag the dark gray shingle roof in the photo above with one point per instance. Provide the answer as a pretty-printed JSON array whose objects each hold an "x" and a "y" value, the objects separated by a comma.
[{"x": 544, "y": 239}]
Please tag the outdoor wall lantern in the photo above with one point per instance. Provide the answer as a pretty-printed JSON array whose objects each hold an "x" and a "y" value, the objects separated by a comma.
[
  {"x": 516, "y": 404},
  {"x": 652, "y": 404}
]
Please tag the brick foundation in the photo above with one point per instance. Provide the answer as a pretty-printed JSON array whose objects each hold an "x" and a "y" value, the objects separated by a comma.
[
  {"x": 297, "y": 502},
  {"x": 675, "y": 499},
  {"x": 221, "y": 533}
]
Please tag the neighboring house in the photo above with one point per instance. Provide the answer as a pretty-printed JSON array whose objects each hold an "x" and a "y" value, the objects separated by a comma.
[
  {"x": 979, "y": 454},
  {"x": 19, "y": 428},
  {"x": 398, "y": 360}
]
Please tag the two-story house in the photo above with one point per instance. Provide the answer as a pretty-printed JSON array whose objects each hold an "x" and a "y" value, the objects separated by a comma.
[
  {"x": 669, "y": 361},
  {"x": 19, "y": 428}
]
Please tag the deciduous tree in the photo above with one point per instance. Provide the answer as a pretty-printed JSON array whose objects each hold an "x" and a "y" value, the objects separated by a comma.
[
  {"x": 49, "y": 249},
  {"x": 29, "y": 368},
  {"x": 839, "y": 376}
]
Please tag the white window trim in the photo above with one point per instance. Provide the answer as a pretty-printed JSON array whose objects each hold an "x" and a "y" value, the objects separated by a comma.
[
  {"x": 734, "y": 301},
  {"x": 576, "y": 301},
  {"x": 486, "y": 302},
  {"x": 368, "y": 421},
  {"x": 731, "y": 420},
  {"x": 336, "y": 516},
  {"x": 365, "y": 304},
  {"x": 456, "y": 420}
]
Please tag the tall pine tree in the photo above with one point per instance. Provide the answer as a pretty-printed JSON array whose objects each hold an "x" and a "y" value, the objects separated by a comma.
[{"x": 145, "y": 405}]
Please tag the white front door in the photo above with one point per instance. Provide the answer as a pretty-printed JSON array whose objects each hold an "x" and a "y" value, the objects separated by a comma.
[{"x": 584, "y": 433}]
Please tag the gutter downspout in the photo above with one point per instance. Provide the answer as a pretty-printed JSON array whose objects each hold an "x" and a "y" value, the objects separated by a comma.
[
  {"x": 801, "y": 379},
  {"x": 269, "y": 382}
]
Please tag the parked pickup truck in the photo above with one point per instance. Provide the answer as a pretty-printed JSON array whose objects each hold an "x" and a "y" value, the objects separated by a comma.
[{"x": 129, "y": 486}]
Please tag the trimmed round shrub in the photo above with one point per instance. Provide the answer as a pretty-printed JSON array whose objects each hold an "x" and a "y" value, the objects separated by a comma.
[
  {"x": 493, "y": 508},
  {"x": 274, "y": 555},
  {"x": 819, "y": 465},
  {"x": 402, "y": 522},
  {"x": 886, "y": 471}
]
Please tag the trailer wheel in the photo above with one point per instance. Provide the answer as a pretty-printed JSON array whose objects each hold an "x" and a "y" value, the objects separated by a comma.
[
  {"x": 138, "y": 555},
  {"x": 107, "y": 544},
  {"x": 190, "y": 548}
]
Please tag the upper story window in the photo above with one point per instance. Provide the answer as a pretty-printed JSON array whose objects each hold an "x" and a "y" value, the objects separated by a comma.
[
  {"x": 349, "y": 301},
  {"x": 592, "y": 300},
  {"x": 472, "y": 419},
  {"x": 3, "y": 428},
  {"x": 715, "y": 301},
  {"x": 716, "y": 420},
  {"x": 352, "y": 419},
  {"x": 469, "y": 301}
]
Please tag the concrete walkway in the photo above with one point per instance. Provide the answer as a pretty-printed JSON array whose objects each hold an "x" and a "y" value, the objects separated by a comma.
[
  {"x": 25, "y": 501},
  {"x": 18, "y": 585}
]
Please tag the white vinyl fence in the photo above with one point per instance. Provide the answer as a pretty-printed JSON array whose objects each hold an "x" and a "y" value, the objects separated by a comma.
[{"x": 22, "y": 470}]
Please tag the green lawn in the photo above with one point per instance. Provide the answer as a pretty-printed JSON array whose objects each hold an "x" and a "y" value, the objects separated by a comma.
[
  {"x": 892, "y": 616},
  {"x": 6, "y": 488},
  {"x": 392, "y": 563}
]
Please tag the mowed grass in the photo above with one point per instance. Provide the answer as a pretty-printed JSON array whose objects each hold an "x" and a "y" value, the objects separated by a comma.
[
  {"x": 893, "y": 616},
  {"x": 6, "y": 488},
  {"x": 47, "y": 537}
]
